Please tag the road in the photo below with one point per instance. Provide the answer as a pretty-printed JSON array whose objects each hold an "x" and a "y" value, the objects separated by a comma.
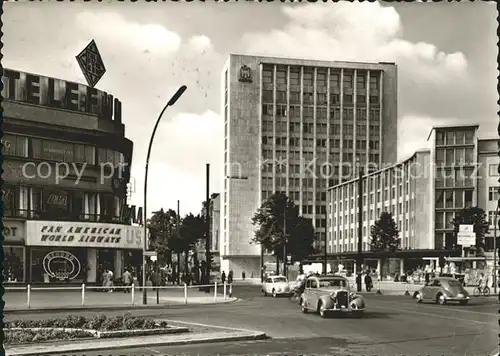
[{"x": 393, "y": 325}]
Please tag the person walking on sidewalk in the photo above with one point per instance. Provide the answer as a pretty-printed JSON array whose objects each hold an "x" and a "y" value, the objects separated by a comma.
[
  {"x": 109, "y": 283},
  {"x": 127, "y": 280},
  {"x": 368, "y": 282},
  {"x": 230, "y": 282},
  {"x": 223, "y": 277}
]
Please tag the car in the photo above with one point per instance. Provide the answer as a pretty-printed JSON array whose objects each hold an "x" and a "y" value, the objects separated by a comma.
[
  {"x": 276, "y": 286},
  {"x": 330, "y": 294},
  {"x": 442, "y": 290}
]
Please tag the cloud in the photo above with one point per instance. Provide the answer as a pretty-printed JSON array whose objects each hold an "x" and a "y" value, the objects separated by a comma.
[
  {"x": 180, "y": 151},
  {"x": 200, "y": 43},
  {"x": 151, "y": 38}
]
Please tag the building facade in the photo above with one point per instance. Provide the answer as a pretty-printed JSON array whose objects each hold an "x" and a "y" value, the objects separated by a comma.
[
  {"x": 297, "y": 126},
  {"x": 424, "y": 193},
  {"x": 66, "y": 167}
]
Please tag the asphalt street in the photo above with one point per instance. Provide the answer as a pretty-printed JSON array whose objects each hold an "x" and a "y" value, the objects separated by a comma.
[{"x": 392, "y": 325}]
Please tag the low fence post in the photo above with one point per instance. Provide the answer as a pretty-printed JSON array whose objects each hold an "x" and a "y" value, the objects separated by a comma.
[
  {"x": 28, "y": 296},
  {"x": 83, "y": 294},
  {"x": 215, "y": 291},
  {"x": 378, "y": 287},
  {"x": 230, "y": 290},
  {"x": 225, "y": 290},
  {"x": 185, "y": 293},
  {"x": 133, "y": 293}
]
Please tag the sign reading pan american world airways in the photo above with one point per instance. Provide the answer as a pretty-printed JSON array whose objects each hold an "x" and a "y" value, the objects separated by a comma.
[{"x": 74, "y": 234}]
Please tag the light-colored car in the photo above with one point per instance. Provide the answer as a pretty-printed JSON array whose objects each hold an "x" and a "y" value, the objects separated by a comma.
[
  {"x": 276, "y": 286},
  {"x": 329, "y": 294},
  {"x": 442, "y": 290}
]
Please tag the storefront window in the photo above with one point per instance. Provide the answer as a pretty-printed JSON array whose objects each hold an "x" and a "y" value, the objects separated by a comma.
[
  {"x": 84, "y": 153},
  {"x": 57, "y": 267},
  {"x": 14, "y": 264},
  {"x": 106, "y": 202}
]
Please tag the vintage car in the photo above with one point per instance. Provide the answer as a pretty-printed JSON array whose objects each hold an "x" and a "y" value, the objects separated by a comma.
[
  {"x": 276, "y": 286},
  {"x": 330, "y": 294},
  {"x": 442, "y": 290}
]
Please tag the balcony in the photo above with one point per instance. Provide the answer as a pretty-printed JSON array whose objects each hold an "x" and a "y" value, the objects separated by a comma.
[{"x": 73, "y": 217}]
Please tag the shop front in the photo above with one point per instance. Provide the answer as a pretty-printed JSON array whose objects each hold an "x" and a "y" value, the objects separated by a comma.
[
  {"x": 14, "y": 233},
  {"x": 75, "y": 252}
]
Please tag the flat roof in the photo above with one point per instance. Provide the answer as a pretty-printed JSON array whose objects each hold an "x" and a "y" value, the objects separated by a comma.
[{"x": 455, "y": 126}]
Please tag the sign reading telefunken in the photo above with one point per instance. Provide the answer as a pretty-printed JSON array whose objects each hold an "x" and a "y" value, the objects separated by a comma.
[
  {"x": 59, "y": 94},
  {"x": 51, "y": 233}
]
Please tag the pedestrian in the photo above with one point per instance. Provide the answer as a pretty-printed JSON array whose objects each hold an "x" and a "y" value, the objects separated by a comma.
[
  {"x": 368, "y": 282},
  {"x": 230, "y": 281},
  {"x": 110, "y": 283},
  {"x": 223, "y": 277},
  {"x": 127, "y": 280},
  {"x": 358, "y": 282},
  {"x": 243, "y": 275}
]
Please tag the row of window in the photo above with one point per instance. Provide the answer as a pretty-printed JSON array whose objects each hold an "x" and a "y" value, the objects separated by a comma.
[
  {"x": 310, "y": 129},
  {"x": 52, "y": 150},
  {"x": 321, "y": 98},
  {"x": 454, "y": 138},
  {"x": 320, "y": 142},
  {"x": 46, "y": 203},
  {"x": 321, "y": 77},
  {"x": 453, "y": 199},
  {"x": 451, "y": 178},
  {"x": 294, "y": 112},
  {"x": 455, "y": 156}
]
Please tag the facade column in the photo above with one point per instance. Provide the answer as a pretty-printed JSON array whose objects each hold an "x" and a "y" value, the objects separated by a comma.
[
  {"x": 401, "y": 266},
  {"x": 91, "y": 265},
  {"x": 118, "y": 263},
  {"x": 379, "y": 268}
]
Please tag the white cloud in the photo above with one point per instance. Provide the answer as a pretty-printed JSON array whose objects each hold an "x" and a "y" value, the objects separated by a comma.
[
  {"x": 153, "y": 38},
  {"x": 356, "y": 32},
  {"x": 200, "y": 43}
]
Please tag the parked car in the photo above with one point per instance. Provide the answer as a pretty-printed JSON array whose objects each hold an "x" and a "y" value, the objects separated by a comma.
[
  {"x": 330, "y": 294},
  {"x": 442, "y": 290},
  {"x": 276, "y": 286}
]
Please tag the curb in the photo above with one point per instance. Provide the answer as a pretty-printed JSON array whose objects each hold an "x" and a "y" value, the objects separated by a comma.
[
  {"x": 257, "y": 335},
  {"x": 115, "y": 308}
]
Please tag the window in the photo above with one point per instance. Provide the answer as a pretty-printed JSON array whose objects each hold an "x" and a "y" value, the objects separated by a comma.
[
  {"x": 52, "y": 150},
  {"x": 267, "y": 109},
  {"x": 281, "y": 96},
  {"x": 439, "y": 223},
  {"x": 347, "y": 81},
  {"x": 348, "y": 99},
  {"x": 493, "y": 194},
  {"x": 449, "y": 200},
  {"x": 281, "y": 110},
  {"x": 373, "y": 83},
  {"x": 10, "y": 196},
  {"x": 360, "y": 82},
  {"x": 267, "y": 77},
  {"x": 468, "y": 198},
  {"x": 267, "y": 95},
  {"x": 14, "y": 145},
  {"x": 281, "y": 77},
  {"x": 459, "y": 199},
  {"x": 493, "y": 170},
  {"x": 334, "y": 99},
  {"x": 469, "y": 137},
  {"x": 294, "y": 77}
]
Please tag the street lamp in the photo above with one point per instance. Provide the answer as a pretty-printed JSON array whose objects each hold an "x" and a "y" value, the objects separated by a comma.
[{"x": 171, "y": 102}]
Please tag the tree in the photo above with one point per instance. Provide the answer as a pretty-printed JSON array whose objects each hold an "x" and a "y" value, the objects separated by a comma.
[
  {"x": 163, "y": 230},
  {"x": 477, "y": 217},
  {"x": 278, "y": 223},
  {"x": 384, "y": 236},
  {"x": 191, "y": 231}
]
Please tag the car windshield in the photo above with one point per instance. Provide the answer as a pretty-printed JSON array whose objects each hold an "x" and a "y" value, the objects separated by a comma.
[
  {"x": 279, "y": 279},
  {"x": 332, "y": 283},
  {"x": 454, "y": 283}
]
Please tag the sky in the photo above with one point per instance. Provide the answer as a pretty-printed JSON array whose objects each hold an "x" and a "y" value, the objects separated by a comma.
[{"x": 446, "y": 55}]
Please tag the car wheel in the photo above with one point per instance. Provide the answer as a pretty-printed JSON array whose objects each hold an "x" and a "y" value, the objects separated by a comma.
[
  {"x": 274, "y": 293},
  {"x": 303, "y": 306},
  {"x": 440, "y": 299},
  {"x": 418, "y": 297},
  {"x": 321, "y": 310},
  {"x": 464, "y": 302}
]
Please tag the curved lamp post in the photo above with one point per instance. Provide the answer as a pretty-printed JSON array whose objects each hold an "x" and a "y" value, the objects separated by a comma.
[{"x": 171, "y": 102}]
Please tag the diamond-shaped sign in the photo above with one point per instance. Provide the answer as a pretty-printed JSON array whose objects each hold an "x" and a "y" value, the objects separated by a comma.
[{"x": 91, "y": 64}]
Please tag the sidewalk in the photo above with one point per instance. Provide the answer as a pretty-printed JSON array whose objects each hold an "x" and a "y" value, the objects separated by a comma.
[{"x": 72, "y": 299}]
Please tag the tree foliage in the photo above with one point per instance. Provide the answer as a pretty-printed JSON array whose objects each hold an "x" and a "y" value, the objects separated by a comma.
[
  {"x": 278, "y": 222},
  {"x": 384, "y": 234},
  {"x": 191, "y": 230},
  {"x": 477, "y": 217},
  {"x": 163, "y": 230}
]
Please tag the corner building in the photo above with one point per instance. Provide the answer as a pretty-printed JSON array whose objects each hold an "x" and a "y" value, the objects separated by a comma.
[
  {"x": 424, "y": 193},
  {"x": 297, "y": 126},
  {"x": 66, "y": 167}
]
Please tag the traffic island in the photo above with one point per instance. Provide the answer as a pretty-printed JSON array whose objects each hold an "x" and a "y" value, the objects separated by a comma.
[{"x": 78, "y": 334}]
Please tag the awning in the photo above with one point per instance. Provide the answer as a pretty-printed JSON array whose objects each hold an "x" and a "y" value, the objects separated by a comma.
[{"x": 461, "y": 259}]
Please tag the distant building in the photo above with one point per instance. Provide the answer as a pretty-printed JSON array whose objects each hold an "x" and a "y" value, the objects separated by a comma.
[
  {"x": 424, "y": 193},
  {"x": 297, "y": 126}
]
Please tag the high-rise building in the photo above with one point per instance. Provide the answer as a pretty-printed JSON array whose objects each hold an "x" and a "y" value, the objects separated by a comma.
[{"x": 297, "y": 126}]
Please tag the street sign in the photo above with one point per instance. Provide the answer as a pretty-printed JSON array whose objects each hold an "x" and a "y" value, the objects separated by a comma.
[
  {"x": 150, "y": 253},
  {"x": 91, "y": 64},
  {"x": 466, "y": 228},
  {"x": 466, "y": 239}
]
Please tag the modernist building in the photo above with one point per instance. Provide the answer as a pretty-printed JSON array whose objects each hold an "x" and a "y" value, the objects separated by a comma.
[
  {"x": 424, "y": 193},
  {"x": 297, "y": 126},
  {"x": 66, "y": 164}
]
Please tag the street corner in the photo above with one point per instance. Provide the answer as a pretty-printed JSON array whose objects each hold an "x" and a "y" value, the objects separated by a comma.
[{"x": 198, "y": 333}]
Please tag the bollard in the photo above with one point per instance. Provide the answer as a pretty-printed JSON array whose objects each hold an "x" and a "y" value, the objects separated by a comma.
[
  {"x": 132, "y": 291},
  {"x": 185, "y": 293},
  {"x": 83, "y": 294},
  {"x": 407, "y": 292},
  {"x": 378, "y": 288},
  {"x": 28, "y": 301},
  {"x": 215, "y": 291},
  {"x": 225, "y": 290}
]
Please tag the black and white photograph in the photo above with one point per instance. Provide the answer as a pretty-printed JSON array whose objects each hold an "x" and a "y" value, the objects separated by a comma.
[{"x": 250, "y": 178}]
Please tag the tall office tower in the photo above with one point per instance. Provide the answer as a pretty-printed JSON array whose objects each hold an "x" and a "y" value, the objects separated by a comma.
[{"x": 297, "y": 126}]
